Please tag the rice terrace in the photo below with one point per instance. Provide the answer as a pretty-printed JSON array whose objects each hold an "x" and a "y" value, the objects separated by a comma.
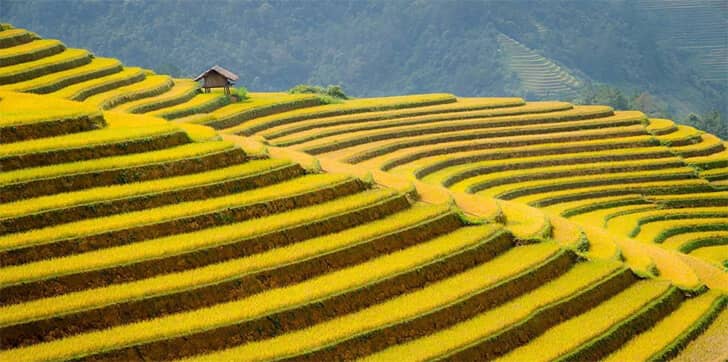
[{"x": 145, "y": 216}]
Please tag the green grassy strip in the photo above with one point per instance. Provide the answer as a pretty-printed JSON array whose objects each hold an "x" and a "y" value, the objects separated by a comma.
[
  {"x": 677, "y": 214},
  {"x": 30, "y": 51},
  {"x": 703, "y": 242},
  {"x": 70, "y": 58},
  {"x": 605, "y": 205},
  {"x": 663, "y": 235},
  {"x": 99, "y": 67}
]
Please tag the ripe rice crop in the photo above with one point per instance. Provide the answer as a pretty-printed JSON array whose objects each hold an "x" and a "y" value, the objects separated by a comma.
[
  {"x": 201, "y": 103},
  {"x": 81, "y": 91},
  {"x": 152, "y": 85},
  {"x": 19, "y": 108},
  {"x": 671, "y": 332},
  {"x": 182, "y": 91},
  {"x": 260, "y": 105},
  {"x": 276, "y": 299},
  {"x": 30, "y": 51},
  {"x": 688, "y": 242},
  {"x": 98, "y": 67},
  {"x": 659, "y": 231},
  {"x": 219, "y": 271},
  {"x": 184, "y": 151},
  {"x": 717, "y": 254},
  {"x": 568, "y": 336},
  {"x": 399, "y": 309},
  {"x": 69, "y": 58},
  {"x": 462, "y": 105},
  {"x": 35, "y": 205},
  {"x": 332, "y": 130},
  {"x": 182, "y": 243},
  {"x": 68, "y": 142},
  {"x": 123, "y": 221},
  {"x": 470, "y": 332},
  {"x": 348, "y": 107}
]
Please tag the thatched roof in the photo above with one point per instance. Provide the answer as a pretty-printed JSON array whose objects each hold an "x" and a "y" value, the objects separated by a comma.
[{"x": 219, "y": 70}]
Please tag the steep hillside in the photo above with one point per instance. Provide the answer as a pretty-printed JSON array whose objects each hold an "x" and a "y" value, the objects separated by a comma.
[
  {"x": 538, "y": 76},
  {"x": 377, "y": 228}
]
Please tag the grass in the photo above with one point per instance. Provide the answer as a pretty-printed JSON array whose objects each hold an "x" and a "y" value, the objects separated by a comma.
[
  {"x": 272, "y": 300},
  {"x": 397, "y": 310},
  {"x": 179, "y": 244},
  {"x": 569, "y": 335},
  {"x": 214, "y": 273},
  {"x": 60, "y": 201},
  {"x": 98, "y": 67},
  {"x": 489, "y": 323},
  {"x": 668, "y": 331}
]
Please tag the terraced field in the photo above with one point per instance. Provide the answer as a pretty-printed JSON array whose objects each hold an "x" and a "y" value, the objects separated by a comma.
[
  {"x": 696, "y": 27},
  {"x": 537, "y": 74},
  {"x": 412, "y": 227}
]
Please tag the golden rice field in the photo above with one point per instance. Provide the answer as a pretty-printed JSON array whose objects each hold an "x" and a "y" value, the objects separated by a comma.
[{"x": 413, "y": 227}]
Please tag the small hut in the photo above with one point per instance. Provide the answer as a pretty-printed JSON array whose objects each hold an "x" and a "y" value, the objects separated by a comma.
[{"x": 217, "y": 77}]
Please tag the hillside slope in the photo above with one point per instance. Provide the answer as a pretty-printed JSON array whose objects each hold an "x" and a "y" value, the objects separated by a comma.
[{"x": 127, "y": 236}]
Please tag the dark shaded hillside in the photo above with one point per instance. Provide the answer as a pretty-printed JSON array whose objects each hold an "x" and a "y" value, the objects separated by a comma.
[{"x": 383, "y": 47}]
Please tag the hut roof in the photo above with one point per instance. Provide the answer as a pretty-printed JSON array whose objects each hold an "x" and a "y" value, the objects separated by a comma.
[{"x": 220, "y": 70}]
